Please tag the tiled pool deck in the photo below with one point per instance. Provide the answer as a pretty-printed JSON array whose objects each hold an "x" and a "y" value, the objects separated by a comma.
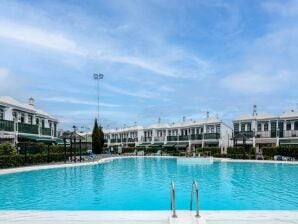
[{"x": 138, "y": 217}]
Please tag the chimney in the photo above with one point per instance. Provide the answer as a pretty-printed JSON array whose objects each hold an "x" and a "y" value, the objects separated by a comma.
[
  {"x": 184, "y": 118},
  {"x": 31, "y": 102},
  {"x": 159, "y": 120},
  {"x": 255, "y": 111},
  {"x": 207, "y": 115}
]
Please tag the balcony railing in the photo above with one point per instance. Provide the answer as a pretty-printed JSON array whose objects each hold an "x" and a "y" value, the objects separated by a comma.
[
  {"x": 6, "y": 125},
  {"x": 159, "y": 139},
  {"x": 211, "y": 135},
  {"x": 147, "y": 139},
  {"x": 172, "y": 138},
  {"x": 27, "y": 128},
  {"x": 196, "y": 137},
  {"x": 46, "y": 131},
  {"x": 183, "y": 138},
  {"x": 290, "y": 133},
  {"x": 241, "y": 134}
]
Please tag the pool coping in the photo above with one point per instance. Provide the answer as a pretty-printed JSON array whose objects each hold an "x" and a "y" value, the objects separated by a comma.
[
  {"x": 184, "y": 216},
  {"x": 108, "y": 159}
]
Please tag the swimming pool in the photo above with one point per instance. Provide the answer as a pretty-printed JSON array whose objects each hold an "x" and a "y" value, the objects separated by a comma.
[{"x": 144, "y": 184}]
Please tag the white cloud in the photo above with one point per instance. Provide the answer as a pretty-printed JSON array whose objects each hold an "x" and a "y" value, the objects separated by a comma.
[
  {"x": 69, "y": 100},
  {"x": 253, "y": 82},
  {"x": 38, "y": 36},
  {"x": 284, "y": 8}
]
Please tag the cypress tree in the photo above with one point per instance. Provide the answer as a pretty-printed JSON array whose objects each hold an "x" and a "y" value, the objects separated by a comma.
[
  {"x": 101, "y": 138},
  {"x": 96, "y": 143}
]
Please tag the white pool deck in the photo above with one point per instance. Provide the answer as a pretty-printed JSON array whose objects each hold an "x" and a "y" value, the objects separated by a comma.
[{"x": 146, "y": 217}]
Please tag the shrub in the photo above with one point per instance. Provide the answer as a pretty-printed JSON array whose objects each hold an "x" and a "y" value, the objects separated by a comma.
[
  {"x": 21, "y": 160},
  {"x": 7, "y": 149}
]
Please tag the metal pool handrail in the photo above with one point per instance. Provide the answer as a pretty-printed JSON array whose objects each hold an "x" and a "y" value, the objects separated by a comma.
[
  {"x": 196, "y": 189},
  {"x": 173, "y": 200}
]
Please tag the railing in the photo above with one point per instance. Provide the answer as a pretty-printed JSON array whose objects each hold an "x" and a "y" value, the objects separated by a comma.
[
  {"x": 132, "y": 140},
  {"x": 247, "y": 134},
  {"x": 172, "y": 138},
  {"x": 46, "y": 131},
  {"x": 211, "y": 135},
  {"x": 27, "y": 128},
  {"x": 148, "y": 139},
  {"x": 291, "y": 133},
  {"x": 113, "y": 140},
  {"x": 183, "y": 138},
  {"x": 196, "y": 137},
  {"x": 195, "y": 189},
  {"x": 159, "y": 139},
  {"x": 263, "y": 134},
  {"x": 173, "y": 200},
  {"x": 6, "y": 125}
]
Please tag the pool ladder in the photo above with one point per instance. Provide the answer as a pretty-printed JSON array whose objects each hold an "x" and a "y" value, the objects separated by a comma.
[{"x": 194, "y": 191}]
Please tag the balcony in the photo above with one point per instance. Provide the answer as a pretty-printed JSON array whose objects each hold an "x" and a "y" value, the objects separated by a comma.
[
  {"x": 147, "y": 139},
  {"x": 172, "y": 138},
  {"x": 46, "y": 131},
  {"x": 243, "y": 134},
  {"x": 211, "y": 135},
  {"x": 6, "y": 125},
  {"x": 27, "y": 128},
  {"x": 159, "y": 139},
  {"x": 183, "y": 138},
  {"x": 290, "y": 134},
  {"x": 196, "y": 137}
]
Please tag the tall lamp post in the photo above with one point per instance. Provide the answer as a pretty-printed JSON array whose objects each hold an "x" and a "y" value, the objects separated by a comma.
[{"x": 98, "y": 77}]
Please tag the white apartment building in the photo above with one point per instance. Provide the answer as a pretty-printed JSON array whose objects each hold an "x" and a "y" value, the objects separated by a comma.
[
  {"x": 264, "y": 129},
  {"x": 188, "y": 133},
  {"x": 23, "y": 122}
]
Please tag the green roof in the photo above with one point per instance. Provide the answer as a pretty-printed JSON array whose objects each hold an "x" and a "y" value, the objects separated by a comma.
[
  {"x": 169, "y": 145},
  {"x": 156, "y": 145},
  {"x": 181, "y": 145}
]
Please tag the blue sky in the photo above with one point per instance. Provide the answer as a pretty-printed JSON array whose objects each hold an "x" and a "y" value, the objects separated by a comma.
[{"x": 165, "y": 59}]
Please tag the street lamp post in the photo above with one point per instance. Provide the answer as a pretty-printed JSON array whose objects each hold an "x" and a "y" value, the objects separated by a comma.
[{"x": 98, "y": 77}]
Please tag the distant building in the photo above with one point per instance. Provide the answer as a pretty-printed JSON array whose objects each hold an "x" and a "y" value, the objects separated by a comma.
[
  {"x": 188, "y": 133},
  {"x": 266, "y": 130},
  {"x": 23, "y": 122}
]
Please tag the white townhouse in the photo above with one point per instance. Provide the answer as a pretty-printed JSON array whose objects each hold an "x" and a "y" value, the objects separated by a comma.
[
  {"x": 126, "y": 136},
  {"x": 23, "y": 122},
  {"x": 188, "y": 133},
  {"x": 266, "y": 130}
]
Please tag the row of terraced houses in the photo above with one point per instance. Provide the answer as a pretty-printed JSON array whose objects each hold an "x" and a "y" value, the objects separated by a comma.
[{"x": 24, "y": 122}]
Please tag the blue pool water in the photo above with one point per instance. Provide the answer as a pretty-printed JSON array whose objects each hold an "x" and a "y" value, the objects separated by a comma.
[{"x": 144, "y": 184}]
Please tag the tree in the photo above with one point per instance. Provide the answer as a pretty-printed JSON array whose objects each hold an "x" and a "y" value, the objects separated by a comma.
[
  {"x": 97, "y": 139},
  {"x": 101, "y": 138}
]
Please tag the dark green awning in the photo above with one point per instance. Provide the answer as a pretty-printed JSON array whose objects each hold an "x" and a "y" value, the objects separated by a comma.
[
  {"x": 156, "y": 145},
  {"x": 288, "y": 142},
  {"x": 181, "y": 145},
  {"x": 145, "y": 144}
]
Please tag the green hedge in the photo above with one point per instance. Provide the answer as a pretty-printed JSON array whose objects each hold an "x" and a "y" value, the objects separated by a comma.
[
  {"x": 270, "y": 152},
  {"x": 21, "y": 160},
  {"x": 212, "y": 150},
  {"x": 7, "y": 149}
]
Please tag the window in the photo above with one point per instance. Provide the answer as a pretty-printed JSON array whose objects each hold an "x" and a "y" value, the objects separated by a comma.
[
  {"x": 273, "y": 125},
  {"x": 1, "y": 114},
  {"x": 296, "y": 125},
  {"x": 266, "y": 126},
  {"x": 22, "y": 118},
  {"x": 236, "y": 127},
  {"x": 289, "y": 126},
  {"x": 30, "y": 119},
  {"x": 42, "y": 123},
  {"x": 242, "y": 127},
  {"x": 14, "y": 115},
  {"x": 249, "y": 127},
  {"x": 37, "y": 121},
  {"x": 259, "y": 127},
  {"x": 218, "y": 128}
]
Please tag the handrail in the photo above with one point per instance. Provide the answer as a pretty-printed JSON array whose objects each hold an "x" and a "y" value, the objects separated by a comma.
[
  {"x": 196, "y": 188},
  {"x": 173, "y": 200}
]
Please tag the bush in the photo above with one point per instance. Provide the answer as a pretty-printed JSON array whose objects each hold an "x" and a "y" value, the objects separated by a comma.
[
  {"x": 270, "y": 152},
  {"x": 212, "y": 150},
  {"x": 7, "y": 149},
  {"x": 21, "y": 160}
]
